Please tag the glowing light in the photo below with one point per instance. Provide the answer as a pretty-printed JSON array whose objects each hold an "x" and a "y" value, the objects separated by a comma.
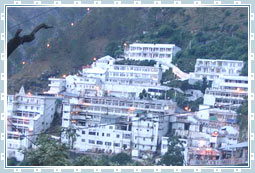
[
  {"x": 30, "y": 129},
  {"x": 29, "y": 94},
  {"x": 73, "y": 121},
  {"x": 97, "y": 88},
  {"x": 86, "y": 104},
  {"x": 131, "y": 109},
  {"x": 72, "y": 24},
  {"x": 186, "y": 108},
  {"x": 94, "y": 58},
  {"x": 125, "y": 44},
  {"x": 239, "y": 90},
  {"x": 215, "y": 133},
  {"x": 77, "y": 74},
  {"x": 23, "y": 62},
  {"x": 64, "y": 76},
  {"x": 88, "y": 9}
]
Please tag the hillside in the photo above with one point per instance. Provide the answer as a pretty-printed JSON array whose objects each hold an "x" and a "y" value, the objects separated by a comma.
[{"x": 200, "y": 32}]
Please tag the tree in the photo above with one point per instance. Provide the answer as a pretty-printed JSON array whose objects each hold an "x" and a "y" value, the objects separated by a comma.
[
  {"x": 174, "y": 155},
  {"x": 17, "y": 40},
  {"x": 205, "y": 85},
  {"x": 144, "y": 94},
  {"x": 242, "y": 121},
  {"x": 121, "y": 159},
  {"x": 71, "y": 135},
  {"x": 12, "y": 161},
  {"x": 104, "y": 160},
  {"x": 84, "y": 161},
  {"x": 47, "y": 153}
]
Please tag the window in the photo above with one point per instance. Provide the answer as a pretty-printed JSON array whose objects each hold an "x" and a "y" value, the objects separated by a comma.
[
  {"x": 25, "y": 107},
  {"x": 108, "y": 143},
  {"x": 100, "y": 142},
  {"x": 117, "y": 144},
  {"x": 108, "y": 135},
  {"x": 102, "y": 134},
  {"x": 110, "y": 127},
  {"x": 82, "y": 140},
  {"x": 117, "y": 136},
  {"x": 186, "y": 126},
  {"x": 92, "y": 133},
  {"x": 32, "y": 107},
  {"x": 83, "y": 132},
  {"x": 91, "y": 142}
]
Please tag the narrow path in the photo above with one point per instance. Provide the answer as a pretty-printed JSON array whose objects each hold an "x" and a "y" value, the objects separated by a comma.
[{"x": 182, "y": 75}]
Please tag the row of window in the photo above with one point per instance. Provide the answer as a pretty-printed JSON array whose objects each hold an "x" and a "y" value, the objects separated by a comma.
[
  {"x": 85, "y": 86},
  {"x": 102, "y": 134},
  {"x": 124, "y": 103},
  {"x": 236, "y": 81},
  {"x": 90, "y": 141},
  {"x": 220, "y": 63},
  {"x": 150, "y": 55},
  {"x": 136, "y": 75},
  {"x": 150, "y": 49},
  {"x": 145, "y": 69},
  {"x": 29, "y": 100}
]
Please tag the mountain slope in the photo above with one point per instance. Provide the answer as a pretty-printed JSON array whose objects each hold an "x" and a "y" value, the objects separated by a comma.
[{"x": 200, "y": 32}]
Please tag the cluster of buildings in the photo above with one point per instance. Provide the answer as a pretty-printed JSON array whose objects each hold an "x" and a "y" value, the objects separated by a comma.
[
  {"x": 27, "y": 115},
  {"x": 101, "y": 102}
]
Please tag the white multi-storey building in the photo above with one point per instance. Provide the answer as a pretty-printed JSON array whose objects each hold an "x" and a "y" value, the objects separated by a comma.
[
  {"x": 111, "y": 124},
  {"x": 57, "y": 85},
  {"x": 134, "y": 75},
  {"x": 158, "y": 52},
  {"x": 228, "y": 91},
  {"x": 104, "y": 77},
  {"x": 83, "y": 85},
  {"x": 212, "y": 69},
  {"x": 27, "y": 115}
]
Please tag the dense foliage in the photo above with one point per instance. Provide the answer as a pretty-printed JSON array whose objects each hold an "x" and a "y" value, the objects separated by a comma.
[
  {"x": 242, "y": 121},
  {"x": 174, "y": 155},
  {"x": 48, "y": 153},
  {"x": 136, "y": 62}
]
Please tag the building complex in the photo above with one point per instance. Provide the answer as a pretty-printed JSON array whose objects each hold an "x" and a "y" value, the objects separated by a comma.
[
  {"x": 102, "y": 104},
  {"x": 27, "y": 115}
]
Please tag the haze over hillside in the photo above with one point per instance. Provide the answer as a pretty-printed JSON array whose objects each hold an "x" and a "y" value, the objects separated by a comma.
[{"x": 201, "y": 33}]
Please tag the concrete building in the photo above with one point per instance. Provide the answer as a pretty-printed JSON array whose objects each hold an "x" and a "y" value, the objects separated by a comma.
[
  {"x": 83, "y": 85},
  {"x": 144, "y": 51},
  {"x": 27, "y": 115},
  {"x": 227, "y": 91},
  {"x": 57, "y": 85},
  {"x": 134, "y": 75},
  {"x": 212, "y": 69},
  {"x": 111, "y": 124},
  {"x": 104, "y": 77},
  {"x": 203, "y": 138}
]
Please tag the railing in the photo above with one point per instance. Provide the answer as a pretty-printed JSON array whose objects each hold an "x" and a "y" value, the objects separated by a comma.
[{"x": 223, "y": 162}]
